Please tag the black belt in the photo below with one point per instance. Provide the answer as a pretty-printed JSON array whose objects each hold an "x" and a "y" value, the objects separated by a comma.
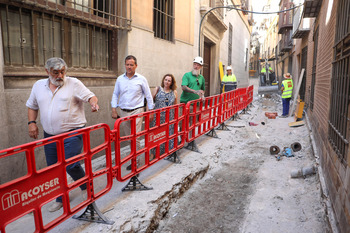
[{"x": 130, "y": 110}]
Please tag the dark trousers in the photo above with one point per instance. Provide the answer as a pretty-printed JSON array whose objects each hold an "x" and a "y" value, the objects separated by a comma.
[
  {"x": 72, "y": 147},
  {"x": 285, "y": 104}
]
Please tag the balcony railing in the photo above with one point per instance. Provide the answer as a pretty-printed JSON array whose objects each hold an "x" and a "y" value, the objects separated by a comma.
[
  {"x": 286, "y": 43},
  {"x": 312, "y": 8},
  {"x": 285, "y": 17},
  {"x": 279, "y": 52},
  {"x": 102, "y": 12},
  {"x": 301, "y": 26}
]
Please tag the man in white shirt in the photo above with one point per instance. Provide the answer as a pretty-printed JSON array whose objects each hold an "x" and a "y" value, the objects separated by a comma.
[
  {"x": 130, "y": 90},
  {"x": 60, "y": 100}
]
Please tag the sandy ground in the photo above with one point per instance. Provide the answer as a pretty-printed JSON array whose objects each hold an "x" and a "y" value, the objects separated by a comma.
[{"x": 233, "y": 185}]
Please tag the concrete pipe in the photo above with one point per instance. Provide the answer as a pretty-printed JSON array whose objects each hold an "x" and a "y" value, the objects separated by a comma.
[
  {"x": 296, "y": 146},
  {"x": 274, "y": 150}
]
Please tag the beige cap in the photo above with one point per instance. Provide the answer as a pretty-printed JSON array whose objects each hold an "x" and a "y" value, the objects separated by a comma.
[{"x": 287, "y": 75}]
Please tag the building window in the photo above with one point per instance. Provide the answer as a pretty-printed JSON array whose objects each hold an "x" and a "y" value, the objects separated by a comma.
[
  {"x": 163, "y": 19},
  {"x": 31, "y": 37},
  {"x": 340, "y": 85},
  {"x": 229, "y": 59}
]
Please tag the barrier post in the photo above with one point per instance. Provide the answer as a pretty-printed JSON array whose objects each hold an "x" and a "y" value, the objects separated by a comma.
[
  {"x": 135, "y": 184},
  {"x": 173, "y": 158},
  {"x": 90, "y": 215}
]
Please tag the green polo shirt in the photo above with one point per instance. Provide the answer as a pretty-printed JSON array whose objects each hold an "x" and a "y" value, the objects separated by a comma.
[{"x": 190, "y": 81}]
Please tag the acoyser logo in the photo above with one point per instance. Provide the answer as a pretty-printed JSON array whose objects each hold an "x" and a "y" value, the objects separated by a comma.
[
  {"x": 157, "y": 137},
  {"x": 205, "y": 116},
  {"x": 14, "y": 197}
]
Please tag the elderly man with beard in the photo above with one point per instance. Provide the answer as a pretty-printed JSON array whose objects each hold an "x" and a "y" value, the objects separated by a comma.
[
  {"x": 193, "y": 83},
  {"x": 60, "y": 100}
]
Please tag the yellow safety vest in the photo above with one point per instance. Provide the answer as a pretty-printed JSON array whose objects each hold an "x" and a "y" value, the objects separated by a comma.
[
  {"x": 288, "y": 88},
  {"x": 230, "y": 78}
]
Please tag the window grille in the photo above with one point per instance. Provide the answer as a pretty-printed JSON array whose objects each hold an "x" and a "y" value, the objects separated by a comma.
[
  {"x": 313, "y": 78},
  {"x": 229, "y": 59},
  {"x": 109, "y": 13},
  {"x": 30, "y": 37},
  {"x": 303, "y": 66},
  {"x": 163, "y": 19},
  {"x": 340, "y": 85}
]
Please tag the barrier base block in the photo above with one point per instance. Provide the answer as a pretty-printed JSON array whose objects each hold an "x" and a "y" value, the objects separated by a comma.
[
  {"x": 223, "y": 126},
  {"x": 93, "y": 214},
  {"x": 173, "y": 157},
  {"x": 135, "y": 185},
  {"x": 245, "y": 111},
  {"x": 192, "y": 146},
  {"x": 212, "y": 133}
]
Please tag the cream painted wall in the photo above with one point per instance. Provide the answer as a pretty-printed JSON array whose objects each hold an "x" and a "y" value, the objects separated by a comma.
[
  {"x": 142, "y": 13},
  {"x": 184, "y": 20}
]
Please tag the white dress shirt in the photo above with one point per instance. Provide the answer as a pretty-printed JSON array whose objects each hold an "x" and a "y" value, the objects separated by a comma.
[
  {"x": 129, "y": 93},
  {"x": 62, "y": 110}
]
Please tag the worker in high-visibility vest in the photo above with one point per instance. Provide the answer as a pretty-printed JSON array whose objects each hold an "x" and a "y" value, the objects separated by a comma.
[
  {"x": 263, "y": 70},
  {"x": 287, "y": 91},
  {"x": 229, "y": 81}
]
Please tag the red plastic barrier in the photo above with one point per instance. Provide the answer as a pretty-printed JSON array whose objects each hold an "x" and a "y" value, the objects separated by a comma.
[
  {"x": 32, "y": 191},
  {"x": 250, "y": 94},
  {"x": 202, "y": 116},
  {"x": 228, "y": 105},
  {"x": 151, "y": 139},
  {"x": 242, "y": 96}
]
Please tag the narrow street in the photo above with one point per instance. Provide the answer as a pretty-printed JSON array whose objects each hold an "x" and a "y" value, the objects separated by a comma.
[{"x": 233, "y": 185}]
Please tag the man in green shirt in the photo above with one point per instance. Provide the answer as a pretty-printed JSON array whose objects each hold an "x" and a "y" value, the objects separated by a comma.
[{"x": 193, "y": 83}]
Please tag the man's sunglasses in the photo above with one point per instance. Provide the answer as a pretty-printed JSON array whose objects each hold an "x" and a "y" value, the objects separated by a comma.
[{"x": 197, "y": 82}]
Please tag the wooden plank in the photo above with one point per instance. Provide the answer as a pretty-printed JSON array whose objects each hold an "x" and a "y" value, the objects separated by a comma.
[
  {"x": 291, "y": 111},
  {"x": 296, "y": 124}
]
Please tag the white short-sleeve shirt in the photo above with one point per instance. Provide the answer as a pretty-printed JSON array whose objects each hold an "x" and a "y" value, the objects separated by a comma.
[{"x": 62, "y": 110}]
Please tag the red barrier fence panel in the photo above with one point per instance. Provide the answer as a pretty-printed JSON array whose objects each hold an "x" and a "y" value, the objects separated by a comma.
[
  {"x": 250, "y": 94},
  {"x": 236, "y": 101},
  {"x": 140, "y": 142},
  {"x": 202, "y": 116},
  {"x": 25, "y": 198},
  {"x": 241, "y": 95},
  {"x": 245, "y": 98},
  {"x": 228, "y": 105}
]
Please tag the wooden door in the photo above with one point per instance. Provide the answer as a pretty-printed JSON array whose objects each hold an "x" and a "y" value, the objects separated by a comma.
[{"x": 206, "y": 67}]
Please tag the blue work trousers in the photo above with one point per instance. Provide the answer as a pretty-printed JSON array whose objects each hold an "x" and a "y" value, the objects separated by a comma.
[
  {"x": 72, "y": 147},
  {"x": 285, "y": 103}
]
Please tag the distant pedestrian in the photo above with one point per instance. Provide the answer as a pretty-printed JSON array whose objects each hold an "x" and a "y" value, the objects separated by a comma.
[
  {"x": 229, "y": 81},
  {"x": 60, "y": 100},
  {"x": 130, "y": 91},
  {"x": 193, "y": 83},
  {"x": 164, "y": 96},
  {"x": 287, "y": 90}
]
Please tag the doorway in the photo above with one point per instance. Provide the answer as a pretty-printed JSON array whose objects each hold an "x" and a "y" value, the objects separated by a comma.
[{"x": 206, "y": 67}]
